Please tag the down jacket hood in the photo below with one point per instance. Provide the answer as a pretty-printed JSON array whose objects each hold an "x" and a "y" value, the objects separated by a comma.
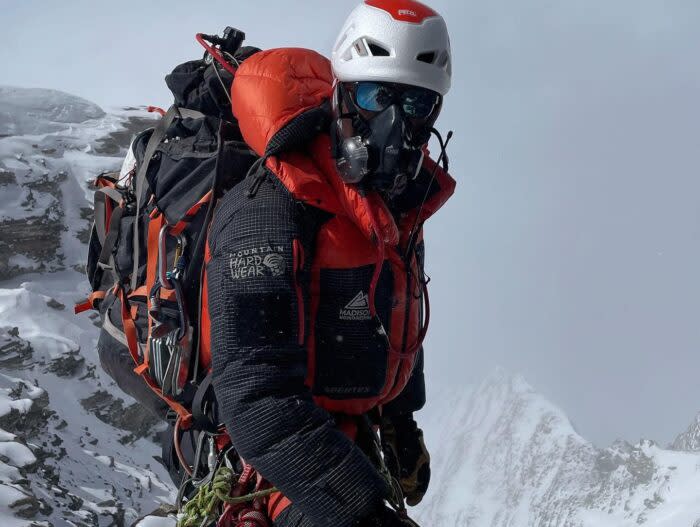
[{"x": 277, "y": 88}]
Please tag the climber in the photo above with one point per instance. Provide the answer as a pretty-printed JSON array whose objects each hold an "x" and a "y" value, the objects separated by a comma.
[{"x": 316, "y": 291}]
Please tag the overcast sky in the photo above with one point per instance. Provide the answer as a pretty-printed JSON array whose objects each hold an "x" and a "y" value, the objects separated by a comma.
[{"x": 571, "y": 251}]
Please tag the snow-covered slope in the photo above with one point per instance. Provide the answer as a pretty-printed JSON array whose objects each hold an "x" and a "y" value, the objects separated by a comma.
[
  {"x": 503, "y": 456},
  {"x": 73, "y": 449}
]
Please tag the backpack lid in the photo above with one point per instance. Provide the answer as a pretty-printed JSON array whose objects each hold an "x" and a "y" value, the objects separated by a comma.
[{"x": 198, "y": 86}]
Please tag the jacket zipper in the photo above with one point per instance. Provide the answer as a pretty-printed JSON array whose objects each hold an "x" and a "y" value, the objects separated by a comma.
[
  {"x": 407, "y": 308},
  {"x": 298, "y": 267}
]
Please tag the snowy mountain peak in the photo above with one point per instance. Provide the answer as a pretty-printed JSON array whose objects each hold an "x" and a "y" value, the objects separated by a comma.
[
  {"x": 37, "y": 110},
  {"x": 503, "y": 455},
  {"x": 689, "y": 441}
]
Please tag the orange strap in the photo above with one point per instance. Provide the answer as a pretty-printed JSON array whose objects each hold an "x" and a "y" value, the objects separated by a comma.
[
  {"x": 89, "y": 302},
  {"x": 102, "y": 182},
  {"x": 180, "y": 225},
  {"x": 276, "y": 504},
  {"x": 139, "y": 291},
  {"x": 130, "y": 332},
  {"x": 154, "y": 226}
]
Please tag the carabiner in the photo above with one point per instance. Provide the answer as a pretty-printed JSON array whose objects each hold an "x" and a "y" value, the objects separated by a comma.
[{"x": 163, "y": 277}]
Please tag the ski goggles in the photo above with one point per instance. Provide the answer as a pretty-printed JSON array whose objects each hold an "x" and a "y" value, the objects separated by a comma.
[{"x": 415, "y": 102}]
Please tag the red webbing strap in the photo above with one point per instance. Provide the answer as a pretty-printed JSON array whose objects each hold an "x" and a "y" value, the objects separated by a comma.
[
  {"x": 89, "y": 302},
  {"x": 132, "y": 338},
  {"x": 194, "y": 209},
  {"x": 277, "y": 504},
  {"x": 103, "y": 181},
  {"x": 154, "y": 226},
  {"x": 156, "y": 109},
  {"x": 140, "y": 291}
]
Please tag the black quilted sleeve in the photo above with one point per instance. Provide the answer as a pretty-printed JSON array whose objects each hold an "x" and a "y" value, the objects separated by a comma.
[{"x": 259, "y": 366}]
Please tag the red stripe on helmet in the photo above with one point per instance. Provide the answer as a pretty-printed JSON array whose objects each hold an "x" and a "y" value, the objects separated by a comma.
[{"x": 404, "y": 10}]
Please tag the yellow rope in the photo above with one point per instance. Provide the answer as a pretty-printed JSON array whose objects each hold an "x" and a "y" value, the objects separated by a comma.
[{"x": 204, "y": 506}]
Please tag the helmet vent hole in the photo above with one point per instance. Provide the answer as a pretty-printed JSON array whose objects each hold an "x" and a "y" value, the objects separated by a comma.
[
  {"x": 444, "y": 58},
  {"x": 377, "y": 50},
  {"x": 361, "y": 48},
  {"x": 428, "y": 57}
]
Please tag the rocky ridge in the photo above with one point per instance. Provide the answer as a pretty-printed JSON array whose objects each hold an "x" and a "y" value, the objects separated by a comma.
[{"x": 74, "y": 451}]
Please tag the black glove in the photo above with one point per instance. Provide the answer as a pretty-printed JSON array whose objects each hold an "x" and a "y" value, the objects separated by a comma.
[
  {"x": 386, "y": 517},
  {"x": 406, "y": 456}
]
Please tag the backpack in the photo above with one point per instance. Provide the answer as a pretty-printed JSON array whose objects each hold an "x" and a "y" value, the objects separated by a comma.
[{"x": 148, "y": 238}]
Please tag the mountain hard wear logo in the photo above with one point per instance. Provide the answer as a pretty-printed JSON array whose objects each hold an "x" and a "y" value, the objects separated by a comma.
[
  {"x": 357, "y": 308},
  {"x": 257, "y": 262}
]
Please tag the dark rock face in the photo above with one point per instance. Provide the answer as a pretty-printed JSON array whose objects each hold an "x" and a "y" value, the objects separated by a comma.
[
  {"x": 7, "y": 178},
  {"x": 133, "y": 418},
  {"x": 68, "y": 365},
  {"x": 15, "y": 352},
  {"x": 116, "y": 142},
  {"x": 29, "y": 425},
  {"x": 37, "y": 238}
]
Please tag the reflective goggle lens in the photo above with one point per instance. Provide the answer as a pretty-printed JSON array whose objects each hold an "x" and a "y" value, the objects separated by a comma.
[
  {"x": 417, "y": 103},
  {"x": 373, "y": 97}
]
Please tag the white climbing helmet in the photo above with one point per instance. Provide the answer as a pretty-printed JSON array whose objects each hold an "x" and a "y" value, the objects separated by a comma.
[{"x": 401, "y": 41}]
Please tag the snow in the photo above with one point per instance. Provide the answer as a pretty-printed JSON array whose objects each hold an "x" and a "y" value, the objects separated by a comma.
[
  {"x": 9, "y": 495},
  {"x": 6, "y": 436},
  {"x": 31, "y": 111},
  {"x": 155, "y": 521},
  {"x": 20, "y": 260},
  {"x": 506, "y": 456},
  {"x": 98, "y": 494},
  {"x": 17, "y": 454},
  {"x": 7, "y": 405},
  {"x": 52, "y": 332}
]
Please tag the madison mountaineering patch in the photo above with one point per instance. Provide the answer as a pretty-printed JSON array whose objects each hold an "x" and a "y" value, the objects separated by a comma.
[{"x": 357, "y": 308}]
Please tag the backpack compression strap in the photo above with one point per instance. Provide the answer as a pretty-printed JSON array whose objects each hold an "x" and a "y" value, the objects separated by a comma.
[{"x": 159, "y": 133}]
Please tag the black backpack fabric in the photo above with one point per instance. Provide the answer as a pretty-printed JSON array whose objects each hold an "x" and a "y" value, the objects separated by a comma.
[{"x": 199, "y": 85}]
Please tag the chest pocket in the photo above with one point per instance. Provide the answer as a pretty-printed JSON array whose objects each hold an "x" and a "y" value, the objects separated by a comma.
[{"x": 350, "y": 354}]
